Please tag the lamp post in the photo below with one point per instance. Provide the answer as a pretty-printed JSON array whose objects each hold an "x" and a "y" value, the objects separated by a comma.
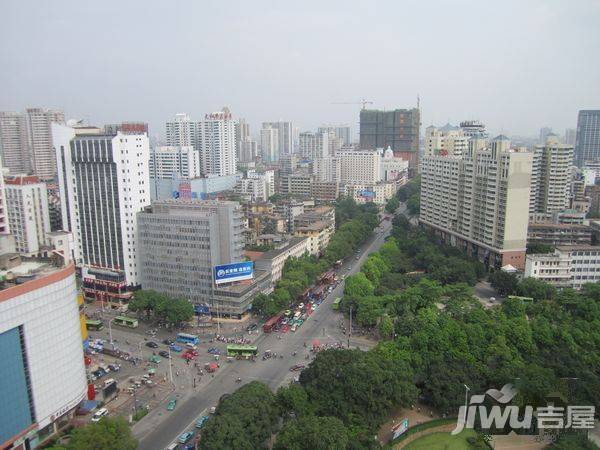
[
  {"x": 467, "y": 389},
  {"x": 170, "y": 366},
  {"x": 110, "y": 331}
]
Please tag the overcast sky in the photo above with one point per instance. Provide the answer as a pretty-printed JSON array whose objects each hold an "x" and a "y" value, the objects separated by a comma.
[{"x": 516, "y": 65}]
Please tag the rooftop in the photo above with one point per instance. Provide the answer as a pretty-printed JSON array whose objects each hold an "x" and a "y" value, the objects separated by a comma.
[
  {"x": 26, "y": 270},
  {"x": 278, "y": 251}
]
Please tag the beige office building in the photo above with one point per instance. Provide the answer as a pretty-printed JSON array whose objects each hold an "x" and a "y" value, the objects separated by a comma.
[{"x": 480, "y": 201}]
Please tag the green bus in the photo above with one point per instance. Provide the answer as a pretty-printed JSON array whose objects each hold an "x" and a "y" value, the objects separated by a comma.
[
  {"x": 336, "y": 303},
  {"x": 242, "y": 350},
  {"x": 524, "y": 299},
  {"x": 126, "y": 321},
  {"x": 94, "y": 325}
]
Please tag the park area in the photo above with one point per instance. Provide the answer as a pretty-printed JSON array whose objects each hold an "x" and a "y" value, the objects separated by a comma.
[{"x": 442, "y": 441}]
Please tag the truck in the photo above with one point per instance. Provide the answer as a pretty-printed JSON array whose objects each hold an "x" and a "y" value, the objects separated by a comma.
[{"x": 272, "y": 323}]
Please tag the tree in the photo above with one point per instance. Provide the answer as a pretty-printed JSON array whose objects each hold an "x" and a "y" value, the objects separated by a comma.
[
  {"x": 536, "y": 289},
  {"x": 386, "y": 326},
  {"x": 360, "y": 388},
  {"x": 505, "y": 283},
  {"x": 312, "y": 433},
  {"x": 243, "y": 420},
  {"x": 535, "y": 247},
  {"x": 108, "y": 433},
  {"x": 293, "y": 401},
  {"x": 392, "y": 205},
  {"x": 413, "y": 204},
  {"x": 358, "y": 286},
  {"x": 573, "y": 442}
]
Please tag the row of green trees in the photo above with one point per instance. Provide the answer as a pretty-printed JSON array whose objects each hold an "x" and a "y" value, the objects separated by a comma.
[
  {"x": 161, "y": 307},
  {"x": 110, "y": 433},
  {"x": 410, "y": 193},
  {"x": 341, "y": 400},
  {"x": 300, "y": 273}
]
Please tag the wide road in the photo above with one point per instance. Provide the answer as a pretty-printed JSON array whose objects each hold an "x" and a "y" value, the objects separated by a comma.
[{"x": 161, "y": 427}]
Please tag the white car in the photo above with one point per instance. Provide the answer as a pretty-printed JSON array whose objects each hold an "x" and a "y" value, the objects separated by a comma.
[{"x": 99, "y": 414}]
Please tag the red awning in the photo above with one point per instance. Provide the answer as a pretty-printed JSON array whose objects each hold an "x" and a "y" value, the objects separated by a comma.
[{"x": 316, "y": 343}]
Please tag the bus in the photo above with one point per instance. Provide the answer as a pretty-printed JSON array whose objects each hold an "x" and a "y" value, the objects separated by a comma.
[
  {"x": 188, "y": 338},
  {"x": 242, "y": 350},
  {"x": 271, "y": 324},
  {"x": 336, "y": 303},
  {"x": 94, "y": 325},
  {"x": 126, "y": 321},
  {"x": 524, "y": 299}
]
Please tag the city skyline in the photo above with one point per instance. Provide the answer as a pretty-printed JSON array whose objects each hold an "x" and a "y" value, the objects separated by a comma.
[{"x": 159, "y": 35}]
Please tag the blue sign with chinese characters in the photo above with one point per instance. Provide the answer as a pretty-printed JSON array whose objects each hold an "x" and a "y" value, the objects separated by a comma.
[{"x": 228, "y": 273}]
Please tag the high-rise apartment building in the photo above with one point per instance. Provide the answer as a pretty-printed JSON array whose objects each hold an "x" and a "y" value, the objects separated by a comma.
[
  {"x": 182, "y": 131},
  {"x": 168, "y": 162},
  {"x": 247, "y": 151},
  {"x": 474, "y": 128},
  {"x": 446, "y": 140},
  {"x": 570, "y": 134},
  {"x": 551, "y": 176},
  {"x": 480, "y": 201},
  {"x": 269, "y": 145},
  {"x": 359, "y": 166},
  {"x": 14, "y": 143},
  {"x": 285, "y": 134},
  {"x": 398, "y": 129},
  {"x": 42, "y": 375},
  {"x": 544, "y": 133},
  {"x": 182, "y": 241},
  {"x": 104, "y": 181},
  {"x": 216, "y": 143},
  {"x": 4, "y": 228},
  {"x": 341, "y": 132},
  {"x": 28, "y": 214},
  {"x": 313, "y": 145},
  {"x": 40, "y": 140},
  {"x": 587, "y": 140},
  {"x": 327, "y": 169}
]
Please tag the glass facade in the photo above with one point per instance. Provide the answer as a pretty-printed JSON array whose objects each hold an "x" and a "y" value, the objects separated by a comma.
[{"x": 16, "y": 407}]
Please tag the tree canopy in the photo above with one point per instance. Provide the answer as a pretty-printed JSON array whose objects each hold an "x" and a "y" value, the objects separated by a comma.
[
  {"x": 161, "y": 307},
  {"x": 109, "y": 433}
]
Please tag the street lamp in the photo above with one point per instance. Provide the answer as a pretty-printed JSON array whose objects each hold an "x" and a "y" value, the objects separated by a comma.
[
  {"x": 170, "y": 366},
  {"x": 467, "y": 389},
  {"x": 110, "y": 331}
]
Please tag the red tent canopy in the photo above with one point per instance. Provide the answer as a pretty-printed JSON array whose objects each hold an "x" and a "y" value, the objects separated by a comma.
[{"x": 316, "y": 343}]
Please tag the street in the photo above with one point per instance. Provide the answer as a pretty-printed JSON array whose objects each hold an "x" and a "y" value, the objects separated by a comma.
[{"x": 156, "y": 432}]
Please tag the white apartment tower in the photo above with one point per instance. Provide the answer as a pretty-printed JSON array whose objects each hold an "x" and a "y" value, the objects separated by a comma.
[
  {"x": 327, "y": 169},
  {"x": 28, "y": 215},
  {"x": 14, "y": 145},
  {"x": 313, "y": 145},
  {"x": 39, "y": 122},
  {"x": 551, "y": 176},
  {"x": 480, "y": 201},
  {"x": 285, "y": 135},
  {"x": 446, "y": 140},
  {"x": 216, "y": 143},
  {"x": 269, "y": 144},
  {"x": 4, "y": 229},
  {"x": 341, "y": 132},
  {"x": 359, "y": 166},
  {"x": 181, "y": 131},
  {"x": 168, "y": 162},
  {"x": 104, "y": 182}
]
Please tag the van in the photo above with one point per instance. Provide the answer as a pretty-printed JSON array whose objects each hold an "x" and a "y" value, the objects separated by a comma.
[
  {"x": 109, "y": 382},
  {"x": 173, "y": 446},
  {"x": 99, "y": 414},
  {"x": 191, "y": 346}
]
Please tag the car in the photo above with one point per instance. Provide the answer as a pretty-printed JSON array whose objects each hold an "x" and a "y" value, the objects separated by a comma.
[
  {"x": 191, "y": 346},
  {"x": 214, "y": 351},
  {"x": 98, "y": 373},
  {"x": 173, "y": 446},
  {"x": 164, "y": 354},
  {"x": 357, "y": 258},
  {"x": 167, "y": 341},
  {"x": 492, "y": 299},
  {"x": 114, "y": 367},
  {"x": 251, "y": 327},
  {"x": 171, "y": 404},
  {"x": 175, "y": 348},
  {"x": 297, "y": 367},
  {"x": 184, "y": 437},
  {"x": 213, "y": 409},
  {"x": 187, "y": 355},
  {"x": 154, "y": 359},
  {"x": 151, "y": 344},
  {"x": 201, "y": 421},
  {"x": 99, "y": 414}
]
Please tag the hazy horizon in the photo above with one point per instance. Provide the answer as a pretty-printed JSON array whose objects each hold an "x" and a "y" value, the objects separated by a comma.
[{"x": 111, "y": 61}]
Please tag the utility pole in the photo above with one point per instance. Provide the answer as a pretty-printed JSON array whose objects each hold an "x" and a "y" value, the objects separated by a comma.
[
  {"x": 170, "y": 366},
  {"x": 350, "y": 327},
  {"x": 134, "y": 401}
]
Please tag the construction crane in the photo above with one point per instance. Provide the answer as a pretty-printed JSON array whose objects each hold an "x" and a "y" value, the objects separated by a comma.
[{"x": 363, "y": 102}]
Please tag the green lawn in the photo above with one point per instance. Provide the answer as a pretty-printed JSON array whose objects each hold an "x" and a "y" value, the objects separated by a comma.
[{"x": 442, "y": 441}]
